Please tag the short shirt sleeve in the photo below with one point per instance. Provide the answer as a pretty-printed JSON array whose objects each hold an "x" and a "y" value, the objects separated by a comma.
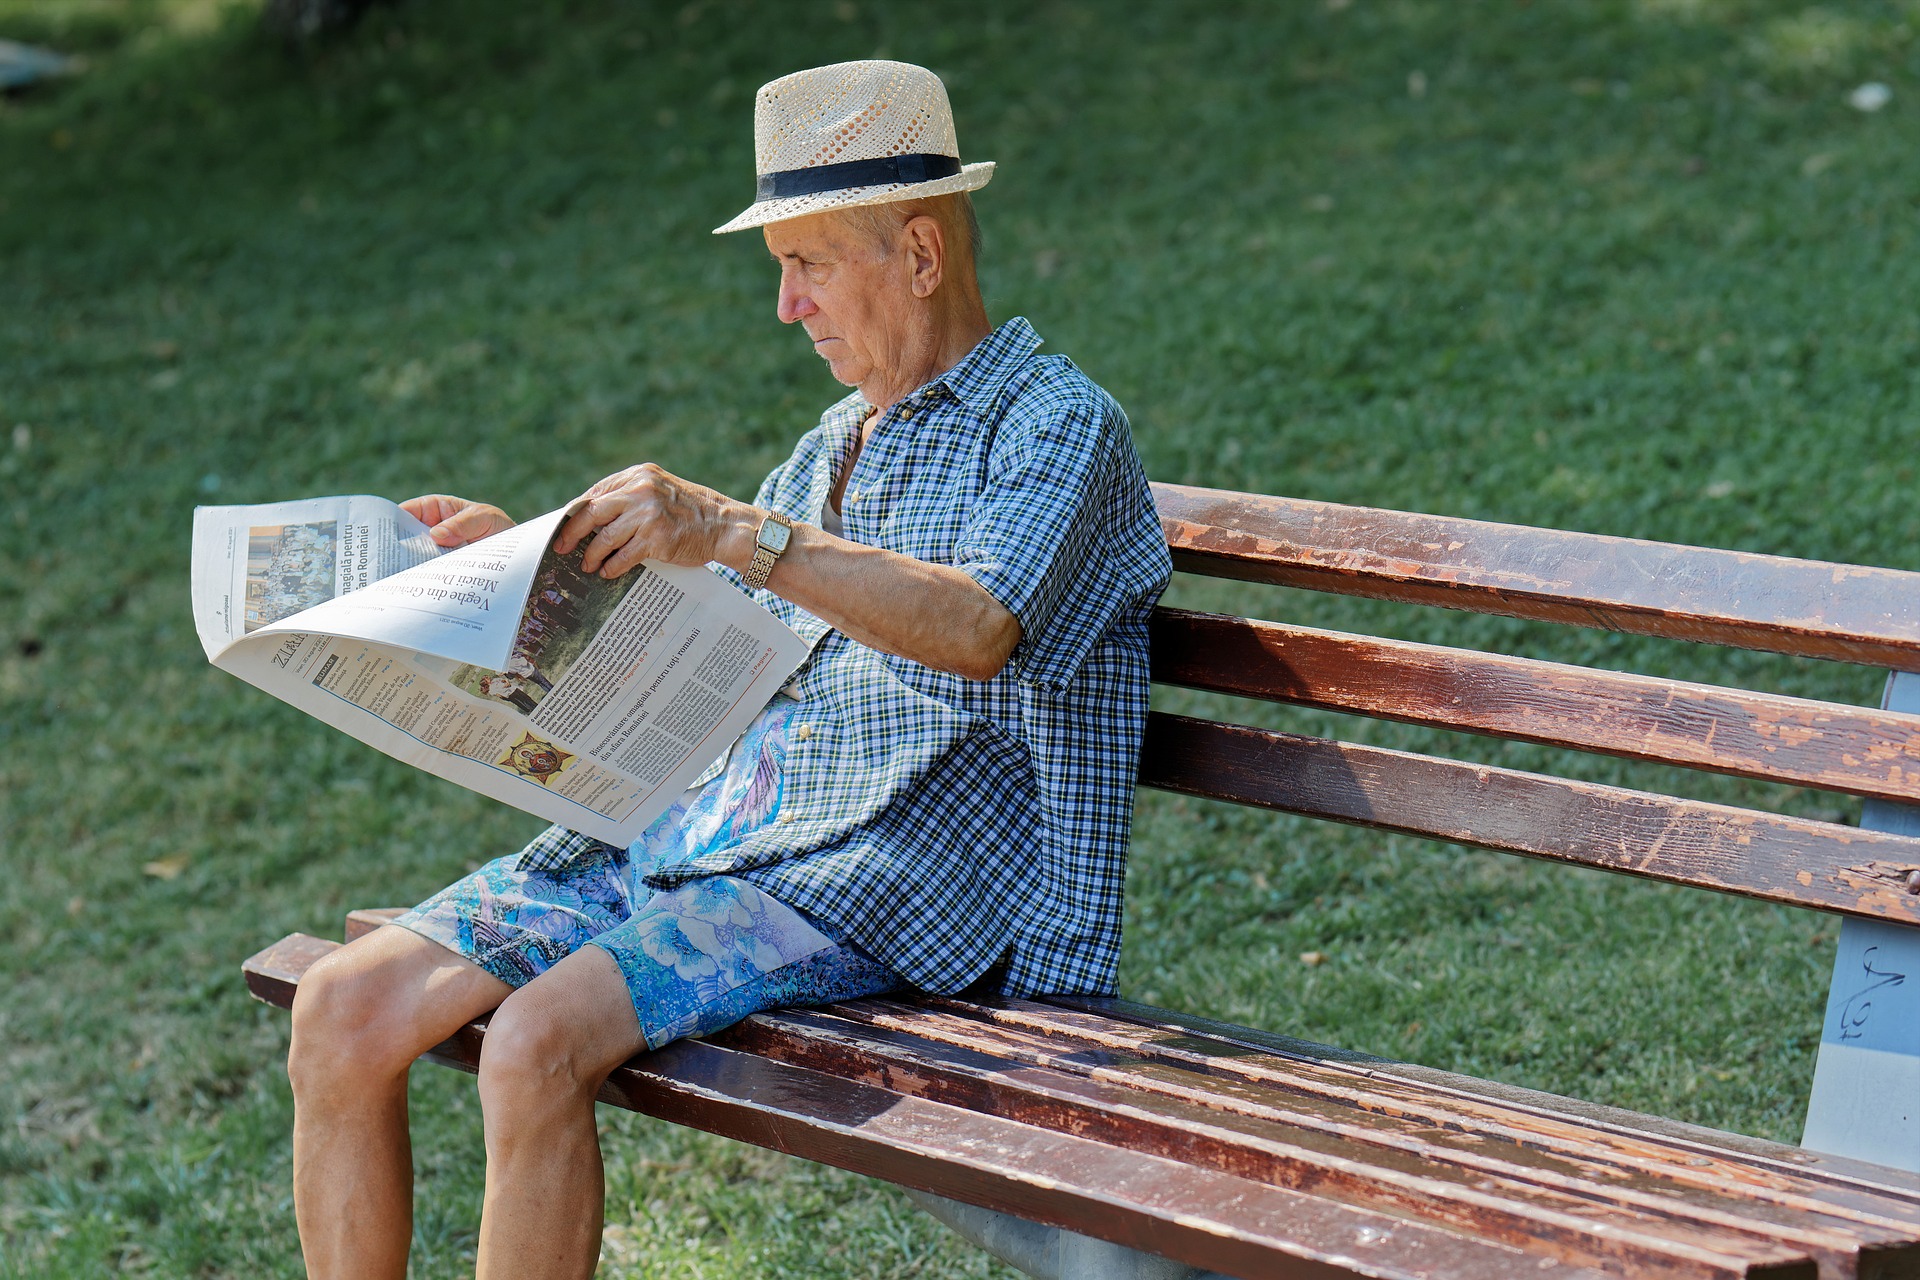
[{"x": 1032, "y": 538}]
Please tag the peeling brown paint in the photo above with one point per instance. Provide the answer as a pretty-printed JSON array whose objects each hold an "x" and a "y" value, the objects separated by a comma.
[
  {"x": 1727, "y": 730},
  {"x": 1854, "y": 613}
]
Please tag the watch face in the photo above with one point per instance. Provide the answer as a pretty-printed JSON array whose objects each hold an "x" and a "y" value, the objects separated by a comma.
[{"x": 773, "y": 536}]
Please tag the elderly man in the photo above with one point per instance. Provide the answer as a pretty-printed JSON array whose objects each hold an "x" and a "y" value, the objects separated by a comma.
[{"x": 939, "y": 800}]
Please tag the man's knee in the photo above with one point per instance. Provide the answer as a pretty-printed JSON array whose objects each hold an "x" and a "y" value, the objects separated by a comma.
[
  {"x": 532, "y": 1058},
  {"x": 350, "y": 1020},
  {"x": 554, "y": 1041}
]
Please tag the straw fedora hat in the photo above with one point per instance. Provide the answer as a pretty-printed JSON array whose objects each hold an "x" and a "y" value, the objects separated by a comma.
[{"x": 854, "y": 133}]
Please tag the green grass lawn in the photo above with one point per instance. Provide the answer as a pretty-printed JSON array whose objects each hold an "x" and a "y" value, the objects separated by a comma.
[{"x": 1634, "y": 267}]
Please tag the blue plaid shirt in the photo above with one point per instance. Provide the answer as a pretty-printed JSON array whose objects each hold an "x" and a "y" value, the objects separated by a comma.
[{"x": 960, "y": 829}]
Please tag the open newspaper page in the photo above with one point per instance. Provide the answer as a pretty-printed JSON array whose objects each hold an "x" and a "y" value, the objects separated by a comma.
[{"x": 499, "y": 665}]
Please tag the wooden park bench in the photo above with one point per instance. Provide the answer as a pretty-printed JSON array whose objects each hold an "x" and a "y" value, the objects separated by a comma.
[{"x": 1251, "y": 1154}]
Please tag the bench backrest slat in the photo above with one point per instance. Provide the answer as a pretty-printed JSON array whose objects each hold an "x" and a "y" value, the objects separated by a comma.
[
  {"x": 1804, "y": 607},
  {"x": 1860, "y": 751},
  {"x": 1740, "y": 851}
]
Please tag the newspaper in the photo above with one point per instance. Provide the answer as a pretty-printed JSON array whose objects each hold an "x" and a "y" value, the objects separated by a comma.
[{"x": 498, "y": 665}]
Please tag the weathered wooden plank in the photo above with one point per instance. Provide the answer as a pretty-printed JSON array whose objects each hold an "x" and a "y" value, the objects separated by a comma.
[
  {"x": 1752, "y": 735},
  {"x": 366, "y": 919},
  {"x": 1874, "y": 1189},
  {"x": 1755, "y": 1167},
  {"x": 1741, "y": 851},
  {"x": 1145, "y": 1202},
  {"x": 1539, "y": 1136},
  {"x": 1197, "y": 1216},
  {"x": 1807, "y": 607},
  {"x": 273, "y": 973},
  {"x": 1549, "y": 1205},
  {"x": 1842, "y": 1225}
]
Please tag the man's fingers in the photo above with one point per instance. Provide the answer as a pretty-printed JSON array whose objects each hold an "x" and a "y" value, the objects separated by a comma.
[
  {"x": 463, "y": 524},
  {"x": 470, "y": 524},
  {"x": 593, "y": 508},
  {"x": 452, "y": 521},
  {"x": 587, "y": 517},
  {"x": 622, "y": 561},
  {"x": 637, "y": 514},
  {"x": 623, "y": 530},
  {"x": 432, "y": 508}
]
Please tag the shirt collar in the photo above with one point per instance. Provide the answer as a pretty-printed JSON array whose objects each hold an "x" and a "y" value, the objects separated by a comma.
[
  {"x": 847, "y": 412},
  {"x": 977, "y": 380}
]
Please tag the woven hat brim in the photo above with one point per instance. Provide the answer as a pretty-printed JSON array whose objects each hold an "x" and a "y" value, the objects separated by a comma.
[{"x": 970, "y": 178}]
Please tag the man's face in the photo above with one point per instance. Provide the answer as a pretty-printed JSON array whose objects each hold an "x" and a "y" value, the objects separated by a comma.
[{"x": 850, "y": 294}]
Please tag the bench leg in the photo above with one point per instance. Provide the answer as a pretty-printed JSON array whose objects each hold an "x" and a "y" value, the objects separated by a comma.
[{"x": 1051, "y": 1253}]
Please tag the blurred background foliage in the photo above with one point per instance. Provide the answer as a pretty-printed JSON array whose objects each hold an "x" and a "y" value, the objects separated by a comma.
[{"x": 1640, "y": 267}]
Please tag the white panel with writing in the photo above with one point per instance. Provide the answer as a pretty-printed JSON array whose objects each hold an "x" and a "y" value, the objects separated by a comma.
[{"x": 1866, "y": 1085}]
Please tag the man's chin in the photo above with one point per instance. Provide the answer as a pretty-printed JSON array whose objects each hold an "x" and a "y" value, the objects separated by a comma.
[{"x": 843, "y": 375}]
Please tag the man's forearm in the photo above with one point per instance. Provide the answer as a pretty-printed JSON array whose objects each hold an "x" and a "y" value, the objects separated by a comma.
[{"x": 934, "y": 614}]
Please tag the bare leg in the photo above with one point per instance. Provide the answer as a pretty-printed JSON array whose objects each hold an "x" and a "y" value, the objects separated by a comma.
[
  {"x": 360, "y": 1018},
  {"x": 548, "y": 1050}
]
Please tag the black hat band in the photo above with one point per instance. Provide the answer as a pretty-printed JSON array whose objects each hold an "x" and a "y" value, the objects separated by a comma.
[{"x": 919, "y": 167}]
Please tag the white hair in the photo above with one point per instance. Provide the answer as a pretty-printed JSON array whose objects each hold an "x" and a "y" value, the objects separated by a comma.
[{"x": 880, "y": 223}]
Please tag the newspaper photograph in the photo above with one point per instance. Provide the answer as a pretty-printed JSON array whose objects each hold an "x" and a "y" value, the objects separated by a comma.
[{"x": 500, "y": 665}]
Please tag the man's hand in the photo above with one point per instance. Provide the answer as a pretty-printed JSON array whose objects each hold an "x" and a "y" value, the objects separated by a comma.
[
  {"x": 645, "y": 513},
  {"x": 456, "y": 521}
]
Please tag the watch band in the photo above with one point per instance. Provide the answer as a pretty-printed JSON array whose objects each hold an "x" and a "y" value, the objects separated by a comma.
[{"x": 769, "y": 541}]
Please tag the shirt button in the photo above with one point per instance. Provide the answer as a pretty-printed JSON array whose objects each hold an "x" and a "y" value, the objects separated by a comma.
[
  {"x": 789, "y": 817},
  {"x": 803, "y": 732}
]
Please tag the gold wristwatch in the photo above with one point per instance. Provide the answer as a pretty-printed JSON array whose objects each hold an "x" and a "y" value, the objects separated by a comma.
[{"x": 768, "y": 542}]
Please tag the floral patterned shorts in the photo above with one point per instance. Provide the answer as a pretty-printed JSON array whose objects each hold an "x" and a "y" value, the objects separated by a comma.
[{"x": 696, "y": 958}]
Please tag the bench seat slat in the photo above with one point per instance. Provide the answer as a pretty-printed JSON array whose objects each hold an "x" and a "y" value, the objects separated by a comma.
[
  {"x": 1520, "y": 1141},
  {"x": 1722, "y": 1191},
  {"x": 1251, "y": 1046},
  {"x": 1751, "y": 735},
  {"x": 1228, "y": 1046},
  {"x": 1199, "y": 1216},
  {"x": 1161, "y": 1206},
  {"x": 1759, "y": 855},
  {"x": 365, "y": 920},
  {"x": 1373, "y": 1160},
  {"x": 1807, "y": 607}
]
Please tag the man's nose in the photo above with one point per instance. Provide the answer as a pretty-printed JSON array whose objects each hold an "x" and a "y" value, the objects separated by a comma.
[{"x": 794, "y": 302}]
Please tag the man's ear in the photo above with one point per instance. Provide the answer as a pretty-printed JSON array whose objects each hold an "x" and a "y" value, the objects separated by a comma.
[{"x": 927, "y": 252}]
